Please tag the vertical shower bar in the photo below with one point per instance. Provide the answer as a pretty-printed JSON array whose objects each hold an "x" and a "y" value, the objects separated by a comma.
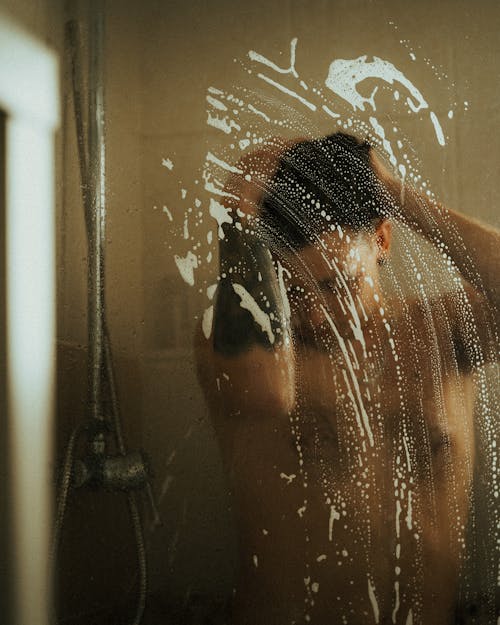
[
  {"x": 93, "y": 179},
  {"x": 96, "y": 194}
]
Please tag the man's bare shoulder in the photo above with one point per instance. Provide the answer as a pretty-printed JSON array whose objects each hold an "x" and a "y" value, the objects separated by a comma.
[
  {"x": 255, "y": 382},
  {"x": 456, "y": 324}
]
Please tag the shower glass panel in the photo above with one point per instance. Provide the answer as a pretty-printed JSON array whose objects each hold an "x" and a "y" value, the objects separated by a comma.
[{"x": 301, "y": 264}]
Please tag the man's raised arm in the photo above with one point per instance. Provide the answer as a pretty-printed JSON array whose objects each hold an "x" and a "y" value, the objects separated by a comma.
[
  {"x": 475, "y": 250},
  {"x": 474, "y": 247},
  {"x": 252, "y": 342}
]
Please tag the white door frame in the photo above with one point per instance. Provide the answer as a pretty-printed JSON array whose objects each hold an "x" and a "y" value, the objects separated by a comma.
[{"x": 29, "y": 96}]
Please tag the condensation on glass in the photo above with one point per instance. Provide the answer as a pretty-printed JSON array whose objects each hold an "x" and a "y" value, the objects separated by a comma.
[
  {"x": 319, "y": 306},
  {"x": 346, "y": 345}
]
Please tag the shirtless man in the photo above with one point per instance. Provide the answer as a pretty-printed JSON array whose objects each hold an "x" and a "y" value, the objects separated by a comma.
[{"x": 345, "y": 420}]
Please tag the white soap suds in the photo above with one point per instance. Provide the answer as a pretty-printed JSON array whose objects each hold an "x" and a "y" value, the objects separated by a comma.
[
  {"x": 222, "y": 123},
  {"x": 252, "y": 108},
  {"x": 334, "y": 516},
  {"x": 288, "y": 478},
  {"x": 284, "y": 89},
  {"x": 221, "y": 214},
  {"x": 211, "y": 291},
  {"x": 345, "y": 74},
  {"x": 373, "y": 601},
  {"x": 330, "y": 112},
  {"x": 398, "y": 514},
  {"x": 207, "y": 321},
  {"x": 217, "y": 104},
  {"x": 409, "y": 519},
  {"x": 396, "y": 602},
  {"x": 385, "y": 142},
  {"x": 259, "y": 58},
  {"x": 359, "y": 407},
  {"x": 284, "y": 297},
  {"x": 218, "y": 161},
  {"x": 438, "y": 129},
  {"x": 260, "y": 317},
  {"x": 186, "y": 266}
]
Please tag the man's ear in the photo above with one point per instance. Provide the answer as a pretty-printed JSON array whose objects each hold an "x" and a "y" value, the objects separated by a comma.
[{"x": 383, "y": 237}]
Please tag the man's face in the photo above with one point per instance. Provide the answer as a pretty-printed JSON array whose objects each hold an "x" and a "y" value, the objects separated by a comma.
[{"x": 340, "y": 271}]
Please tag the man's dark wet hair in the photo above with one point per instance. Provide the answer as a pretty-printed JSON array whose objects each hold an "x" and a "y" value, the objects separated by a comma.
[{"x": 321, "y": 184}]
